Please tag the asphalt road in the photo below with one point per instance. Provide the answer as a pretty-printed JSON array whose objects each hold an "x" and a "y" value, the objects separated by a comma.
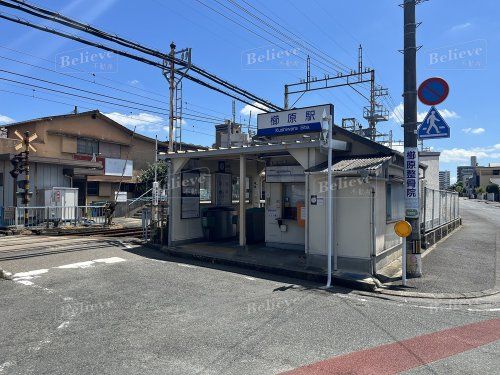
[
  {"x": 113, "y": 308},
  {"x": 466, "y": 260}
]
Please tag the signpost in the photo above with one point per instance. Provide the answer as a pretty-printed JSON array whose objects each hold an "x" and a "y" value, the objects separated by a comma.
[
  {"x": 433, "y": 91},
  {"x": 433, "y": 126},
  {"x": 403, "y": 230}
]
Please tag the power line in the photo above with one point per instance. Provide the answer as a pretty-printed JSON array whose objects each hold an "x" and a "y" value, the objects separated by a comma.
[
  {"x": 55, "y": 17},
  {"x": 86, "y": 80},
  {"x": 192, "y": 116},
  {"x": 75, "y": 88},
  {"x": 81, "y": 106},
  {"x": 340, "y": 64},
  {"x": 337, "y": 65}
]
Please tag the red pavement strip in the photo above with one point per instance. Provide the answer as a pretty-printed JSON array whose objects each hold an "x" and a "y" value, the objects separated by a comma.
[{"x": 407, "y": 354}]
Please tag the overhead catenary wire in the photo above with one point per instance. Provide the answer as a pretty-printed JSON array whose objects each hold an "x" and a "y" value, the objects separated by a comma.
[
  {"x": 89, "y": 108},
  {"x": 55, "y": 17},
  {"x": 188, "y": 115},
  {"x": 93, "y": 75},
  {"x": 55, "y": 83}
]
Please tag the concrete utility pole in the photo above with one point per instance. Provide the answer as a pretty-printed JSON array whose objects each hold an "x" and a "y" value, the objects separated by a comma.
[
  {"x": 171, "y": 82},
  {"x": 412, "y": 204}
]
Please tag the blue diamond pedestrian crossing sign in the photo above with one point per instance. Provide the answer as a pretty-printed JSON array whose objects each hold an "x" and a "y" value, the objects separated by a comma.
[{"x": 433, "y": 126}]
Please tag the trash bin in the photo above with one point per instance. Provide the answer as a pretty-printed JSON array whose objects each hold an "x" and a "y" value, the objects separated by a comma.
[{"x": 255, "y": 225}]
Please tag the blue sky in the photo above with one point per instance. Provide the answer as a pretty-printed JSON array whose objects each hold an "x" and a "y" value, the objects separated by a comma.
[{"x": 227, "y": 45}]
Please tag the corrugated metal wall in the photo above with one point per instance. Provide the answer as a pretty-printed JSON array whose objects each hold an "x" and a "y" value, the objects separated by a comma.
[{"x": 43, "y": 176}]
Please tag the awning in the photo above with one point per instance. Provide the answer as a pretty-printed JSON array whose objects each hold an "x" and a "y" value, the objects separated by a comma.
[{"x": 352, "y": 164}]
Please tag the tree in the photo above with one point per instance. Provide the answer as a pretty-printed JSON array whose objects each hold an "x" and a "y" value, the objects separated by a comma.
[
  {"x": 493, "y": 188},
  {"x": 147, "y": 176},
  {"x": 480, "y": 191}
]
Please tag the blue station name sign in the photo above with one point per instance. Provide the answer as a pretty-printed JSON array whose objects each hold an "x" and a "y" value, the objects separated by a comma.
[{"x": 294, "y": 121}]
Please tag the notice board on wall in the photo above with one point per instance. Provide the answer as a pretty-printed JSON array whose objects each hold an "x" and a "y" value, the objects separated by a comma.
[{"x": 190, "y": 194}]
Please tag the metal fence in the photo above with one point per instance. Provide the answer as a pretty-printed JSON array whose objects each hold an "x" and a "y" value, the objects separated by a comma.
[
  {"x": 439, "y": 207},
  {"x": 52, "y": 216}
]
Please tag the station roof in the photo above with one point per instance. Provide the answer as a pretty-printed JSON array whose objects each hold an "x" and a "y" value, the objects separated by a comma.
[
  {"x": 352, "y": 164},
  {"x": 254, "y": 149}
]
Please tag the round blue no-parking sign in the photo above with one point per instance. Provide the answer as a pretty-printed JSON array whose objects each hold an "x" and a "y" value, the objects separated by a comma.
[{"x": 433, "y": 91}]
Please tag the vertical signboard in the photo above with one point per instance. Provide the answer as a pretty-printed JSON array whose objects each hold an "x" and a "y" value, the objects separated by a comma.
[{"x": 411, "y": 182}]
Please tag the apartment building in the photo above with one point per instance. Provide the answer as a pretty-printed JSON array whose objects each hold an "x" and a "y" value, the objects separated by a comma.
[{"x": 444, "y": 180}]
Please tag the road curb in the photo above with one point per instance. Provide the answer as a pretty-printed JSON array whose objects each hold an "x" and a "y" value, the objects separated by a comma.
[
  {"x": 348, "y": 280},
  {"x": 465, "y": 295}
]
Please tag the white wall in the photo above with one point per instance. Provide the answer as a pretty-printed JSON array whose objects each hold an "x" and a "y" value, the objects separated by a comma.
[
  {"x": 352, "y": 216},
  {"x": 432, "y": 172}
]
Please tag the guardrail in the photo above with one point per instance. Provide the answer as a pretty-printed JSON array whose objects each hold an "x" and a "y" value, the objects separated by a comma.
[
  {"x": 440, "y": 207},
  {"x": 53, "y": 216}
]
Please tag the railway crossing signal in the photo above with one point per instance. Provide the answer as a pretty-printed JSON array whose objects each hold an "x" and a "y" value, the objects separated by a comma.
[{"x": 20, "y": 164}]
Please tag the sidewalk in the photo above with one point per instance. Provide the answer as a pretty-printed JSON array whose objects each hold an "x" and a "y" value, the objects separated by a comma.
[
  {"x": 465, "y": 261},
  {"x": 276, "y": 261}
]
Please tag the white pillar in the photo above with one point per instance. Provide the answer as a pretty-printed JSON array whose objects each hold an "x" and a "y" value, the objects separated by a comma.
[{"x": 242, "y": 219}]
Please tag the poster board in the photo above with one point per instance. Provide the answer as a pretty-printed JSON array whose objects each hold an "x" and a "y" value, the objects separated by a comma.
[{"x": 190, "y": 194}]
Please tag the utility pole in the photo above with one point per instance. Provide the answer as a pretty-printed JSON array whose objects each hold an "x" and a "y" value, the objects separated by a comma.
[
  {"x": 412, "y": 200},
  {"x": 171, "y": 82}
]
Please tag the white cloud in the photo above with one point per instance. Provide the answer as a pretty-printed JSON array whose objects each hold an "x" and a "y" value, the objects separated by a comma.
[
  {"x": 474, "y": 130},
  {"x": 248, "y": 108},
  {"x": 5, "y": 120},
  {"x": 134, "y": 82},
  {"x": 398, "y": 112},
  {"x": 453, "y": 179},
  {"x": 461, "y": 26},
  {"x": 141, "y": 120},
  {"x": 463, "y": 155}
]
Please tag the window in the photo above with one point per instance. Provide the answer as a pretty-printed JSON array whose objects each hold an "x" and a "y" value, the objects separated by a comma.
[
  {"x": 1, "y": 179},
  {"x": 206, "y": 187},
  {"x": 496, "y": 172},
  {"x": 236, "y": 189},
  {"x": 87, "y": 146},
  {"x": 109, "y": 150},
  {"x": 394, "y": 201},
  {"x": 293, "y": 197},
  {"x": 93, "y": 188}
]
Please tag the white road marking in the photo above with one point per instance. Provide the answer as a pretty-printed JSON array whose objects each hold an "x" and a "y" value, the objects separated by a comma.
[
  {"x": 86, "y": 264},
  {"x": 25, "y": 277},
  {"x": 6, "y": 365},
  {"x": 109, "y": 260},
  {"x": 24, "y": 282},
  {"x": 91, "y": 263},
  {"x": 186, "y": 265},
  {"x": 29, "y": 274},
  {"x": 63, "y": 325}
]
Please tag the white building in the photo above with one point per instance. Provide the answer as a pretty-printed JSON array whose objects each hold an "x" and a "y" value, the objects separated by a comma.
[
  {"x": 444, "y": 180},
  {"x": 367, "y": 192}
]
